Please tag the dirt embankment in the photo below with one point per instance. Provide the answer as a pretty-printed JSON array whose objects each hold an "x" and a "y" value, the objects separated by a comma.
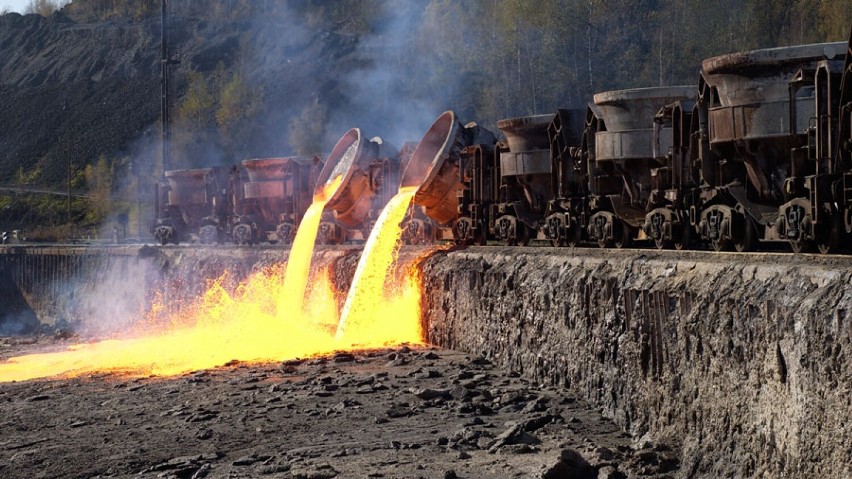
[{"x": 743, "y": 360}]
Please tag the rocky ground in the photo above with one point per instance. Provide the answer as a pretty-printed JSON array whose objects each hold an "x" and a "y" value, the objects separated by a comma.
[{"x": 396, "y": 413}]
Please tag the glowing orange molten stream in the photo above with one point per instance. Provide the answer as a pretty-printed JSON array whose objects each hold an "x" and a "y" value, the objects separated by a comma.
[
  {"x": 302, "y": 251},
  {"x": 376, "y": 312},
  {"x": 266, "y": 318}
]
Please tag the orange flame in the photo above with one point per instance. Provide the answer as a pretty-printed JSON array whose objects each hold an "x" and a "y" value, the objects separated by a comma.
[{"x": 265, "y": 318}]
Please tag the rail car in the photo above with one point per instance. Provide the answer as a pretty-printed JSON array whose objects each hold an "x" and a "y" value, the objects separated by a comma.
[
  {"x": 369, "y": 176},
  {"x": 761, "y": 116},
  {"x": 275, "y": 195},
  {"x": 194, "y": 205},
  {"x": 759, "y": 152}
]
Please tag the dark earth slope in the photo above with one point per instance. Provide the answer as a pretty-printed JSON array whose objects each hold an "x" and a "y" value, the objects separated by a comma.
[{"x": 73, "y": 91}]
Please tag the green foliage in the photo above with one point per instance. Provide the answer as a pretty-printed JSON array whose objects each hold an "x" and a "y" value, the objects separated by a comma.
[
  {"x": 99, "y": 180},
  {"x": 41, "y": 217},
  {"x": 308, "y": 129},
  {"x": 27, "y": 177},
  {"x": 235, "y": 104},
  {"x": 197, "y": 105}
]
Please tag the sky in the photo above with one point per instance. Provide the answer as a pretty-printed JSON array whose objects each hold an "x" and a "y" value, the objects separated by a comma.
[{"x": 14, "y": 5}]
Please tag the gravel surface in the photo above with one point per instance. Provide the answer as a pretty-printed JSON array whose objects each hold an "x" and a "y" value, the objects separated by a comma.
[{"x": 396, "y": 413}]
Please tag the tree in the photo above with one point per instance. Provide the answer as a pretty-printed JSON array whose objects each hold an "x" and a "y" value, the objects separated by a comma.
[
  {"x": 308, "y": 129},
  {"x": 45, "y": 8},
  {"x": 99, "y": 180}
]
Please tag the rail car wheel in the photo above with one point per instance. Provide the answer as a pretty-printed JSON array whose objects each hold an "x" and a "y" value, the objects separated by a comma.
[
  {"x": 720, "y": 244},
  {"x": 748, "y": 239},
  {"x": 801, "y": 245},
  {"x": 480, "y": 234},
  {"x": 574, "y": 236},
  {"x": 479, "y": 238},
  {"x": 517, "y": 235},
  {"x": 662, "y": 243},
  {"x": 683, "y": 238},
  {"x": 523, "y": 234},
  {"x": 621, "y": 235},
  {"x": 559, "y": 242},
  {"x": 830, "y": 237}
]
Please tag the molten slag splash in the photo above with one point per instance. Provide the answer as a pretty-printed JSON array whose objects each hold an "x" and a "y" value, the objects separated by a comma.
[
  {"x": 375, "y": 311},
  {"x": 219, "y": 328},
  {"x": 265, "y": 319}
]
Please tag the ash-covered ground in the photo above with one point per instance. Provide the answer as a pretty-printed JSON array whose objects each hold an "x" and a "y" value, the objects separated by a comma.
[{"x": 396, "y": 413}]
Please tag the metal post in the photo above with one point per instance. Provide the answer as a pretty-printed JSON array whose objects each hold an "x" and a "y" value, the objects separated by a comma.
[
  {"x": 164, "y": 83},
  {"x": 69, "y": 189}
]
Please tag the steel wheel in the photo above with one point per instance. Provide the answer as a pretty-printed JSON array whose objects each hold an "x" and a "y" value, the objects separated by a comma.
[
  {"x": 522, "y": 232},
  {"x": 800, "y": 245},
  {"x": 830, "y": 237},
  {"x": 574, "y": 236},
  {"x": 479, "y": 238},
  {"x": 684, "y": 239},
  {"x": 749, "y": 239},
  {"x": 621, "y": 236},
  {"x": 720, "y": 244}
]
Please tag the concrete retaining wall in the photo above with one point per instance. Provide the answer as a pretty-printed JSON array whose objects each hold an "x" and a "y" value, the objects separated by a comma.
[{"x": 742, "y": 360}]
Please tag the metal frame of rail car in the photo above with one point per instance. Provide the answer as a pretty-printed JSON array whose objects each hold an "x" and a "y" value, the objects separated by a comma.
[
  {"x": 842, "y": 148},
  {"x": 624, "y": 159},
  {"x": 602, "y": 226},
  {"x": 371, "y": 172},
  {"x": 435, "y": 169},
  {"x": 812, "y": 216},
  {"x": 193, "y": 205},
  {"x": 525, "y": 186},
  {"x": 275, "y": 197},
  {"x": 673, "y": 183},
  {"x": 479, "y": 175},
  {"x": 567, "y": 211},
  {"x": 384, "y": 176},
  {"x": 748, "y": 146},
  {"x": 818, "y": 213}
]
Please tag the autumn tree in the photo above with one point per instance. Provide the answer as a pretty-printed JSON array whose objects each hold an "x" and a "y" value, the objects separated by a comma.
[
  {"x": 99, "y": 181},
  {"x": 45, "y": 8}
]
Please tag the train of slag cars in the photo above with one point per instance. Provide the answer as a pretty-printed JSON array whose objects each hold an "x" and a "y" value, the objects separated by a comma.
[{"x": 758, "y": 152}]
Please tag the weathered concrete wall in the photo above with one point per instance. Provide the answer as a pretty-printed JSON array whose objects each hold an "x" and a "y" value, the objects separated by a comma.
[{"x": 742, "y": 360}]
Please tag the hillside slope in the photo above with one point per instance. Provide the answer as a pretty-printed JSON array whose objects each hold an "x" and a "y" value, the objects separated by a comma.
[{"x": 72, "y": 92}]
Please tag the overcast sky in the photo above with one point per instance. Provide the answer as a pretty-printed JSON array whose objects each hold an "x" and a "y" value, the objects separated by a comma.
[{"x": 14, "y": 5}]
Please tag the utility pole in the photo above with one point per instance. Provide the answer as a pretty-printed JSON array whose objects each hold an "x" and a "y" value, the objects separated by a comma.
[
  {"x": 166, "y": 61},
  {"x": 70, "y": 175}
]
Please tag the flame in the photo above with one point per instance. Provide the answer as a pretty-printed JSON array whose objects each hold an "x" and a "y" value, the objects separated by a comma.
[
  {"x": 219, "y": 328},
  {"x": 267, "y": 317}
]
